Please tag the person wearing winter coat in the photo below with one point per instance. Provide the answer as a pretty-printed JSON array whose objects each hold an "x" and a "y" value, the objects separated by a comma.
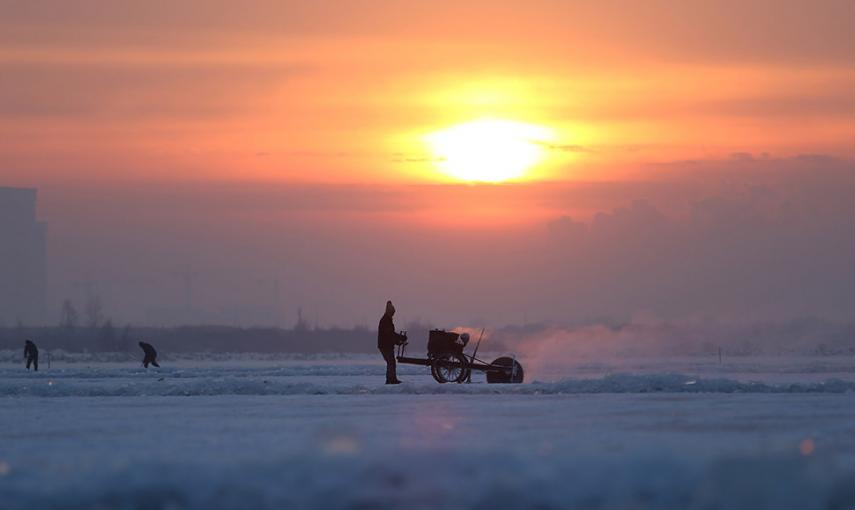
[
  {"x": 150, "y": 355},
  {"x": 31, "y": 353},
  {"x": 387, "y": 339}
]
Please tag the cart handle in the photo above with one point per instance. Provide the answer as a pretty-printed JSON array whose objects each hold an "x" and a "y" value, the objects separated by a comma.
[{"x": 473, "y": 358}]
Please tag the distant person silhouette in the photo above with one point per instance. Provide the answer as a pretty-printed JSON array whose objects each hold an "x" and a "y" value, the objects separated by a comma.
[
  {"x": 150, "y": 355},
  {"x": 31, "y": 352},
  {"x": 387, "y": 339}
]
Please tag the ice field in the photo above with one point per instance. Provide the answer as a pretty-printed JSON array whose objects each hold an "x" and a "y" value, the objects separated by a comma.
[{"x": 324, "y": 432}]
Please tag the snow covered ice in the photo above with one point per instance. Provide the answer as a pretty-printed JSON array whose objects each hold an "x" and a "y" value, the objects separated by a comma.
[{"x": 323, "y": 432}]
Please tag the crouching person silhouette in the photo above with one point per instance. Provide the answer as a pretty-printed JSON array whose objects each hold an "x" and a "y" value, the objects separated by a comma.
[
  {"x": 387, "y": 339},
  {"x": 31, "y": 352},
  {"x": 150, "y": 355}
]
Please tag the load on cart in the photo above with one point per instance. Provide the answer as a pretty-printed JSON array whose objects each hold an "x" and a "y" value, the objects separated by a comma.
[{"x": 449, "y": 363}]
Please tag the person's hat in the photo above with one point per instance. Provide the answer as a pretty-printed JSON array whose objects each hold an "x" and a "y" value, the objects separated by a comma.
[{"x": 390, "y": 308}]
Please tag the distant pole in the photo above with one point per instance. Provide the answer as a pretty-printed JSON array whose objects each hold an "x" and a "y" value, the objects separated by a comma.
[
  {"x": 719, "y": 355},
  {"x": 48, "y": 360}
]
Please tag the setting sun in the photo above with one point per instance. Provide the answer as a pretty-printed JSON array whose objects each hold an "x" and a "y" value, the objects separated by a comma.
[{"x": 488, "y": 150}]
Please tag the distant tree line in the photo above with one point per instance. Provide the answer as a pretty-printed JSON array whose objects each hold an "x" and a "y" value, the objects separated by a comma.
[
  {"x": 106, "y": 337},
  {"x": 92, "y": 331},
  {"x": 596, "y": 339}
]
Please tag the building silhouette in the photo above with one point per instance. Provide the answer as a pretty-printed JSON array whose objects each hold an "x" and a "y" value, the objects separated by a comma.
[{"x": 23, "y": 254}]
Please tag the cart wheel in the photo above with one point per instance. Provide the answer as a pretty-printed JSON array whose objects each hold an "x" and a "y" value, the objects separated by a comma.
[
  {"x": 505, "y": 370},
  {"x": 467, "y": 374},
  {"x": 448, "y": 367}
]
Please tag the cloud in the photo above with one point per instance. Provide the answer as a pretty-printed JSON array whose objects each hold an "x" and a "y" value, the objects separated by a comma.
[
  {"x": 404, "y": 158},
  {"x": 728, "y": 31},
  {"x": 566, "y": 147},
  {"x": 756, "y": 237},
  {"x": 73, "y": 90},
  {"x": 818, "y": 103},
  {"x": 745, "y": 238}
]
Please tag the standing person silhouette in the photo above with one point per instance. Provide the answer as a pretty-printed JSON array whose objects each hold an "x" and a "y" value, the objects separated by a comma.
[
  {"x": 150, "y": 355},
  {"x": 387, "y": 339},
  {"x": 31, "y": 352}
]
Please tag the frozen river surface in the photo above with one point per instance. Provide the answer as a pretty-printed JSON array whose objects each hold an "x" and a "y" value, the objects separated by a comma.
[{"x": 325, "y": 434}]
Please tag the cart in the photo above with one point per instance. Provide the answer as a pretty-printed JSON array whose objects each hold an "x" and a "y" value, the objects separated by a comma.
[{"x": 450, "y": 364}]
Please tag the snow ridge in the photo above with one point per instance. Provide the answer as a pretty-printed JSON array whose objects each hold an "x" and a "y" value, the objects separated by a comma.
[{"x": 269, "y": 382}]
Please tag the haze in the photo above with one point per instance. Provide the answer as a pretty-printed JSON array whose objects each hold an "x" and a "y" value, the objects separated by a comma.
[{"x": 209, "y": 162}]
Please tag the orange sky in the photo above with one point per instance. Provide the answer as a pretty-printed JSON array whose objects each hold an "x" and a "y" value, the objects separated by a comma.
[
  {"x": 680, "y": 157},
  {"x": 345, "y": 92}
]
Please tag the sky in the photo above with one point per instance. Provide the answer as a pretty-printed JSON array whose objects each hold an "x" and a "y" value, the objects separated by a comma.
[{"x": 477, "y": 162}]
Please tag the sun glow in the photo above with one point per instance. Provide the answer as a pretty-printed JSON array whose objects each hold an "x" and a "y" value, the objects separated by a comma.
[{"x": 489, "y": 150}]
